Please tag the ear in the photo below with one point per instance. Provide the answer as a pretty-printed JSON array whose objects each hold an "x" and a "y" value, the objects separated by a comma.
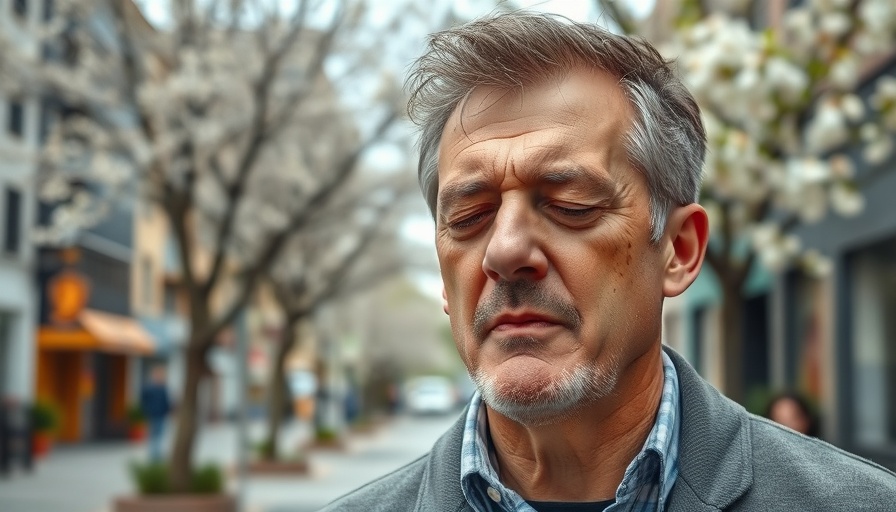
[
  {"x": 445, "y": 301},
  {"x": 685, "y": 239}
]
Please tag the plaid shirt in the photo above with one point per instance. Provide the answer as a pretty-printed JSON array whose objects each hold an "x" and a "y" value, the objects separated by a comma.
[{"x": 645, "y": 486}]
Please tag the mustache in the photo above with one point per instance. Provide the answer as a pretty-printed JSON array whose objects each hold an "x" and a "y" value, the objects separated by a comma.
[{"x": 516, "y": 294}]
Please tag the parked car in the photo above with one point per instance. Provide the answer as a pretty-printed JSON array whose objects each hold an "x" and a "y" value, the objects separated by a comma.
[{"x": 430, "y": 394}]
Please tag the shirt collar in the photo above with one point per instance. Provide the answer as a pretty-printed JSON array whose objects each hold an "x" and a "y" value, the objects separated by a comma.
[{"x": 648, "y": 480}]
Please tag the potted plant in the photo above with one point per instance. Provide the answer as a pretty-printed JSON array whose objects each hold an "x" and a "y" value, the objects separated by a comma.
[
  {"x": 137, "y": 422},
  {"x": 206, "y": 493},
  {"x": 44, "y": 423}
]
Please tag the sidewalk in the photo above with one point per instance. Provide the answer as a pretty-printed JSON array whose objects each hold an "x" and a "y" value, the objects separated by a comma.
[{"x": 85, "y": 478}]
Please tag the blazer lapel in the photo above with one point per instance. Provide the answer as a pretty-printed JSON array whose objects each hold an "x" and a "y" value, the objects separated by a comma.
[{"x": 715, "y": 465}]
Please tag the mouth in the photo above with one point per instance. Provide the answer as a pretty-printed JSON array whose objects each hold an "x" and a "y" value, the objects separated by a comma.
[{"x": 516, "y": 323}]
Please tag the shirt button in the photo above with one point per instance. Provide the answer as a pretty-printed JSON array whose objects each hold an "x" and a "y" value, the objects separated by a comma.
[{"x": 494, "y": 494}]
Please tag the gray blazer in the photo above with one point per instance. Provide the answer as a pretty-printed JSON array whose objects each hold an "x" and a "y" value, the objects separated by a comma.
[{"x": 728, "y": 460}]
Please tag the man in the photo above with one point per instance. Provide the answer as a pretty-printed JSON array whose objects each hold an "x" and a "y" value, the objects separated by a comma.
[
  {"x": 562, "y": 164},
  {"x": 156, "y": 405}
]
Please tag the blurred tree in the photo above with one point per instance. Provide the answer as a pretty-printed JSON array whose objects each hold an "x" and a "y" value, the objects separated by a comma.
[
  {"x": 777, "y": 86},
  {"x": 228, "y": 115},
  {"x": 355, "y": 248}
]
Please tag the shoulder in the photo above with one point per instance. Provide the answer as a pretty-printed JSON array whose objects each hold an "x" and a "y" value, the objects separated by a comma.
[
  {"x": 395, "y": 491},
  {"x": 790, "y": 465}
]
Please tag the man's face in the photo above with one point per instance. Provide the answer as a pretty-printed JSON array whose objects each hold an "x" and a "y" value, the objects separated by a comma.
[{"x": 543, "y": 237}]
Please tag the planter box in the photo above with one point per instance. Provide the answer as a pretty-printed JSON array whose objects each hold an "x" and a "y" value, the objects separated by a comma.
[
  {"x": 279, "y": 467},
  {"x": 176, "y": 503}
]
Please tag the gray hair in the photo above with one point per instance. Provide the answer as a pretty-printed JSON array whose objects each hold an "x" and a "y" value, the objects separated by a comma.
[{"x": 666, "y": 142}]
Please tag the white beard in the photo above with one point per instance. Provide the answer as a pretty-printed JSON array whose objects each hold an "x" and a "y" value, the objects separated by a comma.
[{"x": 556, "y": 401}]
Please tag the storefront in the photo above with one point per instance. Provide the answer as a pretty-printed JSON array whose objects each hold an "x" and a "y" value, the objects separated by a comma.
[{"x": 88, "y": 361}]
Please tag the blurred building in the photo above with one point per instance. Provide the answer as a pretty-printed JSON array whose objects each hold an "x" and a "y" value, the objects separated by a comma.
[
  {"x": 21, "y": 127},
  {"x": 835, "y": 337},
  {"x": 89, "y": 346}
]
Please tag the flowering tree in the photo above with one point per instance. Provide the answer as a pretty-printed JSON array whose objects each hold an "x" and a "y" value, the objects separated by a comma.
[
  {"x": 351, "y": 250},
  {"x": 228, "y": 117},
  {"x": 785, "y": 126}
]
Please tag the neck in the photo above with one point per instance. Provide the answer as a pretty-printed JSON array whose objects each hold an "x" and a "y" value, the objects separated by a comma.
[{"x": 583, "y": 456}]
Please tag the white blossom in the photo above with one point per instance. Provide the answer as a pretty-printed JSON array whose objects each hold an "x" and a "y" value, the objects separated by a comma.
[
  {"x": 827, "y": 129},
  {"x": 846, "y": 200}
]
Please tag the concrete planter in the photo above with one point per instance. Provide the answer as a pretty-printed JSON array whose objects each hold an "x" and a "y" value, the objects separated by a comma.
[{"x": 176, "y": 503}]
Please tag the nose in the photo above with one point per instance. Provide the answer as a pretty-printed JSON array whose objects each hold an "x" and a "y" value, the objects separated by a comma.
[{"x": 515, "y": 248}]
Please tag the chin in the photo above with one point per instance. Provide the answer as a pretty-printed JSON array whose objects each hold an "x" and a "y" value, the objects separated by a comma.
[{"x": 542, "y": 400}]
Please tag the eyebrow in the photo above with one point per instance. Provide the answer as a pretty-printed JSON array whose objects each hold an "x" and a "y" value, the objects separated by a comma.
[
  {"x": 593, "y": 184},
  {"x": 457, "y": 192}
]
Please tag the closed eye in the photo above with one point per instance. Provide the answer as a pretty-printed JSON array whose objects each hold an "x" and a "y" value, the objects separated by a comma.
[
  {"x": 573, "y": 212},
  {"x": 470, "y": 221},
  {"x": 574, "y": 216}
]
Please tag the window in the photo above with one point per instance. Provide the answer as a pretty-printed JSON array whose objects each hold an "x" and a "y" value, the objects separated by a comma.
[
  {"x": 15, "y": 124},
  {"x": 873, "y": 345},
  {"x": 49, "y": 10},
  {"x": 20, "y": 8},
  {"x": 146, "y": 282},
  {"x": 12, "y": 233},
  {"x": 46, "y": 120}
]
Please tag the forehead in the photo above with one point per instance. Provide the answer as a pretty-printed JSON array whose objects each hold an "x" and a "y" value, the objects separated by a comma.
[{"x": 582, "y": 110}]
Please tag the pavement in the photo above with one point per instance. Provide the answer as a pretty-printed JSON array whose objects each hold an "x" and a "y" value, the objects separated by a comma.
[{"x": 86, "y": 477}]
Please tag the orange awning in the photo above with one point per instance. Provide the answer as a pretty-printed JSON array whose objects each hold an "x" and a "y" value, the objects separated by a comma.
[{"x": 96, "y": 330}]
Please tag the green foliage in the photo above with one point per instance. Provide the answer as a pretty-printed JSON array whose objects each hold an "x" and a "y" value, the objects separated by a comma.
[
  {"x": 44, "y": 417},
  {"x": 264, "y": 449},
  {"x": 326, "y": 434},
  {"x": 207, "y": 479},
  {"x": 153, "y": 478},
  {"x": 135, "y": 415}
]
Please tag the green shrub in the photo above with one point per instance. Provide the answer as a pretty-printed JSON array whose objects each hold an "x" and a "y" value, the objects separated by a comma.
[
  {"x": 326, "y": 434},
  {"x": 151, "y": 478},
  {"x": 264, "y": 449},
  {"x": 207, "y": 480},
  {"x": 44, "y": 417}
]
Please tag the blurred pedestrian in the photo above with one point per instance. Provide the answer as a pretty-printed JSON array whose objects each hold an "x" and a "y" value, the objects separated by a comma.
[
  {"x": 562, "y": 165},
  {"x": 792, "y": 410},
  {"x": 156, "y": 404}
]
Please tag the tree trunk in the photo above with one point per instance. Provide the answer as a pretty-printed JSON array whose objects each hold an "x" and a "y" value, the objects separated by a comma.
[
  {"x": 187, "y": 419},
  {"x": 277, "y": 390},
  {"x": 731, "y": 334}
]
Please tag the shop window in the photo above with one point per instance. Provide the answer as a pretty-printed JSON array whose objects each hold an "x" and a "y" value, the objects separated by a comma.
[{"x": 873, "y": 345}]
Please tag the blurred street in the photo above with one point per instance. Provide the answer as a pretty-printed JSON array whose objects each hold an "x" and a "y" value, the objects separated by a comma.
[{"x": 85, "y": 478}]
